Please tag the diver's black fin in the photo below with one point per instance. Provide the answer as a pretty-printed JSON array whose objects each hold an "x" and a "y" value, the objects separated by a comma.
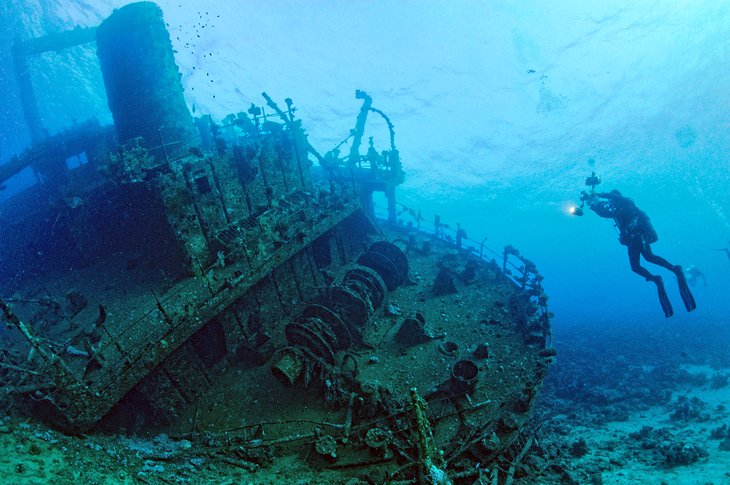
[
  {"x": 663, "y": 298},
  {"x": 687, "y": 298}
]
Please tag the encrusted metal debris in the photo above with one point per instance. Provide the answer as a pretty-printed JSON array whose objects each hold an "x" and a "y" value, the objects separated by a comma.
[{"x": 210, "y": 279}]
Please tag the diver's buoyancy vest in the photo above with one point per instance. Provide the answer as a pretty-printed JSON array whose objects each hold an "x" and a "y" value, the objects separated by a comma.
[{"x": 633, "y": 221}]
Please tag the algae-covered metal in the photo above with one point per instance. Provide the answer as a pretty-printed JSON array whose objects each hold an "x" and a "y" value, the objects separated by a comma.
[{"x": 210, "y": 280}]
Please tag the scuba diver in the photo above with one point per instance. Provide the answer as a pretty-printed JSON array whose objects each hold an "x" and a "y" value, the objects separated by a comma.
[
  {"x": 725, "y": 250},
  {"x": 693, "y": 274},
  {"x": 637, "y": 234}
]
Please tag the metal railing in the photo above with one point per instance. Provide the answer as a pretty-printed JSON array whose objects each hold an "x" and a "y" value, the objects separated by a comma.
[{"x": 515, "y": 267}]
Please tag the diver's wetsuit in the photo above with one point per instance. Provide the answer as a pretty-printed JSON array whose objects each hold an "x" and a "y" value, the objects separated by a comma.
[{"x": 637, "y": 234}]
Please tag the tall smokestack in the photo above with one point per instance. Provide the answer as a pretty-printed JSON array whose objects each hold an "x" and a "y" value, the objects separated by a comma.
[{"x": 143, "y": 82}]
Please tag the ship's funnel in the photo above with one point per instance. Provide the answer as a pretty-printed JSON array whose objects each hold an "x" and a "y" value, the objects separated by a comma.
[{"x": 143, "y": 82}]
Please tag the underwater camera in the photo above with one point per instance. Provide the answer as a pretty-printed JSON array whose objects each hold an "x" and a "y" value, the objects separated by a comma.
[{"x": 593, "y": 180}]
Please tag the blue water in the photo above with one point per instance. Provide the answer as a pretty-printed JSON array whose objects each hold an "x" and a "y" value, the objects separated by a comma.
[{"x": 501, "y": 110}]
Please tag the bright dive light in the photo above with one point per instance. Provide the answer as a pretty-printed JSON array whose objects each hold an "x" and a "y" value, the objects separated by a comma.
[{"x": 575, "y": 211}]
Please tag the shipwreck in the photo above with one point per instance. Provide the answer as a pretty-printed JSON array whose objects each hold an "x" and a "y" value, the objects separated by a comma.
[{"x": 226, "y": 278}]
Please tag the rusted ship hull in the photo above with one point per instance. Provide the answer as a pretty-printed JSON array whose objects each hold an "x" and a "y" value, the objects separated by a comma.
[{"x": 205, "y": 279}]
